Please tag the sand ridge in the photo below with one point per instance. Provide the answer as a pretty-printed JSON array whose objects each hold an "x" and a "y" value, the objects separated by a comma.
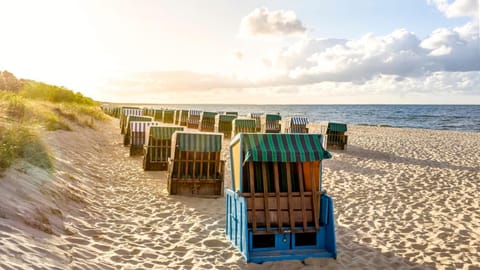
[{"x": 404, "y": 199}]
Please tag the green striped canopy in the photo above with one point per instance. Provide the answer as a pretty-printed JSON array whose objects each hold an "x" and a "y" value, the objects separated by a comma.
[
  {"x": 163, "y": 133},
  {"x": 283, "y": 147},
  {"x": 198, "y": 142},
  {"x": 273, "y": 117},
  {"x": 338, "y": 127},
  {"x": 139, "y": 118},
  {"x": 208, "y": 115},
  {"x": 226, "y": 117},
  {"x": 244, "y": 123}
]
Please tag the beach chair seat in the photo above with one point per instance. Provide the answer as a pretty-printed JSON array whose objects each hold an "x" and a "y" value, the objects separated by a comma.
[
  {"x": 335, "y": 134},
  {"x": 245, "y": 125},
  {"x": 158, "y": 143},
  {"x": 195, "y": 167},
  {"x": 297, "y": 124}
]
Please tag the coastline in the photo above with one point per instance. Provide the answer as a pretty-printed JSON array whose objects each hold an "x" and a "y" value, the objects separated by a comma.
[{"x": 404, "y": 198}]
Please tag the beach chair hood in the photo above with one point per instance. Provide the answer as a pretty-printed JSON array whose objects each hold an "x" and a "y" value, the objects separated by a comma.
[{"x": 283, "y": 147}]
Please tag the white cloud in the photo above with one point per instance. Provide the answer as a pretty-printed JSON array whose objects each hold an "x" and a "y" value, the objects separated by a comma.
[
  {"x": 458, "y": 8},
  {"x": 262, "y": 22}
]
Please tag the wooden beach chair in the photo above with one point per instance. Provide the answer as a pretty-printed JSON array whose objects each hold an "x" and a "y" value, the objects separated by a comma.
[
  {"x": 195, "y": 167},
  {"x": 270, "y": 123},
  {"x": 158, "y": 144},
  {"x": 137, "y": 135},
  {"x": 258, "y": 123},
  {"x": 158, "y": 115},
  {"x": 335, "y": 134},
  {"x": 245, "y": 125},
  {"x": 275, "y": 210},
  {"x": 194, "y": 119},
  {"x": 207, "y": 121},
  {"x": 125, "y": 112},
  {"x": 168, "y": 116},
  {"x": 183, "y": 118},
  {"x": 223, "y": 124},
  {"x": 296, "y": 124},
  {"x": 127, "y": 130}
]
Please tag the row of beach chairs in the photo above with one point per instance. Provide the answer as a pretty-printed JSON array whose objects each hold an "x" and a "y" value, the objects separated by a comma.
[{"x": 275, "y": 206}]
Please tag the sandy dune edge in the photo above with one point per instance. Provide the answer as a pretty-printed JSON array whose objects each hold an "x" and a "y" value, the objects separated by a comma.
[{"x": 405, "y": 199}]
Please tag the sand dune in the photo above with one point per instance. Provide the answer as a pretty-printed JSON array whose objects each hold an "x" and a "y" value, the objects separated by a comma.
[{"x": 404, "y": 199}]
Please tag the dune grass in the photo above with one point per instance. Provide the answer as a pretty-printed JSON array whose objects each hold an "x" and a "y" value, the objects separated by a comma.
[{"x": 36, "y": 107}]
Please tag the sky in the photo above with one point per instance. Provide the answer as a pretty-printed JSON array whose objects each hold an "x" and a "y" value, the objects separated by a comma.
[{"x": 248, "y": 52}]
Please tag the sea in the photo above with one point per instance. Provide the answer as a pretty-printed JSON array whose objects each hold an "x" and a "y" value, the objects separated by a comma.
[{"x": 438, "y": 117}]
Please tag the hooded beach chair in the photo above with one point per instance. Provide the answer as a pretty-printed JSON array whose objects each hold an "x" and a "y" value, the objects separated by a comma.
[
  {"x": 270, "y": 123},
  {"x": 275, "y": 208},
  {"x": 137, "y": 135},
  {"x": 158, "y": 147},
  {"x": 297, "y": 124},
  {"x": 158, "y": 115},
  {"x": 127, "y": 128},
  {"x": 258, "y": 124},
  {"x": 125, "y": 112},
  {"x": 207, "y": 121},
  {"x": 195, "y": 167},
  {"x": 183, "y": 118},
  {"x": 194, "y": 119},
  {"x": 335, "y": 134},
  {"x": 168, "y": 116},
  {"x": 245, "y": 125},
  {"x": 223, "y": 124}
]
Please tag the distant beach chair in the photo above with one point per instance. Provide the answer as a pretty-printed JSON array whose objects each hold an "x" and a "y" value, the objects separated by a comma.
[
  {"x": 245, "y": 125},
  {"x": 183, "y": 118},
  {"x": 194, "y": 119},
  {"x": 168, "y": 116},
  {"x": 232, "y": 113},
  {"x": 258, "y": 122},
  {"x": 207, "y": 121},
  {"x": 335, "y": 135},
  {"x": 270, "y": 123},
  {"x": 137, "y": 135},
  {"x": 297, "y": 124},
  {"x": 275, "y": 210},
  {"x": 126, "y": 132},
  {"x": 195, "y": 167},
  {"x": 158, "y": 145},
  {"x": 158, "y": 115},
  {"x": 223, "y": 124},
  {"x": 125, "y": 112}
]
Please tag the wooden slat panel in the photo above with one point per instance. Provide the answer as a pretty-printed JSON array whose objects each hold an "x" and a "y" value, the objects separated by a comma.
[
  {"x": 265, "y": 195},
  {"x": 290, "y": 202},
  {"x": 252, "y": 192},
  {"x": 300, "y": 181},
  {"x": 277, "y": 194}
]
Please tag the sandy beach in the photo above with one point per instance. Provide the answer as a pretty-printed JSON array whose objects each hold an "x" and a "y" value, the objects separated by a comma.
[{"x": 404, "y": 199}]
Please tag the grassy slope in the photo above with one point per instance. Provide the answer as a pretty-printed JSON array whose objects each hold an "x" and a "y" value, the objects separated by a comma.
[{"x": 37, "y": 107}]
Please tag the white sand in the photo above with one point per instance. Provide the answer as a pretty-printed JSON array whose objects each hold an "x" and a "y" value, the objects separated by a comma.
[{"x": 404, "y": 199}]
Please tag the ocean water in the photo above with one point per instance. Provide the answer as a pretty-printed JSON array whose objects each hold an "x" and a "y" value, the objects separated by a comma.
[{"x": 440, "y": 117}]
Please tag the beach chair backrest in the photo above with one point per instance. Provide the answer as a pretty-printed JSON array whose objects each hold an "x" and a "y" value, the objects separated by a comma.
[
  {"x": 196, "y": 155},
  {"x": 158, "y": 141},
  {"x": 138, "y": 130}
]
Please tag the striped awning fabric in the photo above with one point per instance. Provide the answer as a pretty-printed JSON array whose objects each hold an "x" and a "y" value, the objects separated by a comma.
[
  {"x": 244, "y": 123},
  {"x": 198, "y": 142},
  {"x": 162, "y": 132},
  {"x": 132, "y": 111},
  {"x": 273, "y": 117},
  {"x": 139, "y": 118},
  {"x": 283, "y": 147},
  {"x": 141, "y": 126},
  {"x": 255, "y": 115},
  {"x": 195, "y": 112},
  {"x": 225, "y": 117},
  {"x": 338, "y": 127},
  {"x": 206, "y": 115},
  {"x": 299, "y": 120}
]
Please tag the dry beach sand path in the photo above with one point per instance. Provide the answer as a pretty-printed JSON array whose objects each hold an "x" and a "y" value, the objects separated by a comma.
[{"x": 404, "y": 199}]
